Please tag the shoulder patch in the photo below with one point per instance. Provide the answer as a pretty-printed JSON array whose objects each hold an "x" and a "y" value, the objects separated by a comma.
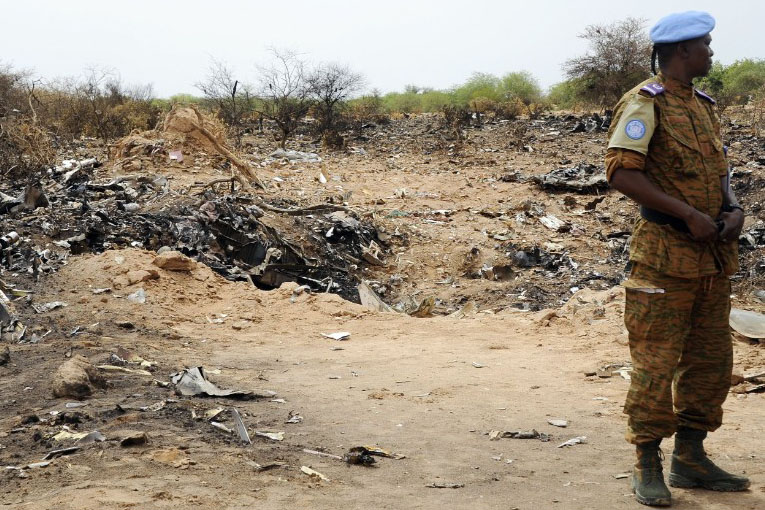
[
  {"x": 704, "y": 96},
  {"x": 654, "y": 89},
  {"x": 635, "y": 129}
]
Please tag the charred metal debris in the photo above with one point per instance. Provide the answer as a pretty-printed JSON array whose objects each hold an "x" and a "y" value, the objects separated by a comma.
[{"x": 240, "y": 236}]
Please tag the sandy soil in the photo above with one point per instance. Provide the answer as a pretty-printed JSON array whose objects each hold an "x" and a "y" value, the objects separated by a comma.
[{"x": 429, "y": 389}]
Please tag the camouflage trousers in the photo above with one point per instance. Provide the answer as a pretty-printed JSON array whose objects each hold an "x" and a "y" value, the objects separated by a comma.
[{"x": 682, "y": 352}]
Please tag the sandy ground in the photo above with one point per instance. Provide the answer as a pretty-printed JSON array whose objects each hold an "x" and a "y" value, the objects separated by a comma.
[{"x": 428, "y": 389}]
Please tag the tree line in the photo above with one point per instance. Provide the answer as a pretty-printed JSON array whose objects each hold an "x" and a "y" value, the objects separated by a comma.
[{"x": 35, "y": 114}]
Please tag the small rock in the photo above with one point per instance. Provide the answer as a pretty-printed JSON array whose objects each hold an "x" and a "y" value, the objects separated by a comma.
[
  {"x": 77, "y": 378},
  {"x": 134, "y": 438},
  {"x": 142, "y": 275},
  {"x": 174, "y": 261}
]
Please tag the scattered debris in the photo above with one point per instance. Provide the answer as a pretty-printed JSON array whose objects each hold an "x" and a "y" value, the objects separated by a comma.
[
  {"x": 313, "y": 474},
  {"x": 273, "y": 436},
  {"x": 92, "y": 437},
  {"x": 322, "y": 454},
  {"x": 552, "y": 222},
  {"x": 573, "y": 441},
  {"x": 379, "y": 452},
  {"x": 61, "y": 452},
  {"x": 113, "y": 368},
  {"x": 442, "y": 485},
  {"x": 193, "y": 382},
  {"x": 341, "y": 335},
  {"x": 582, "y": 178},
  {"x": 66, "y": 434},
  {"x": 240, "y": 428},
  {"x": 360, "y": 456},
  {"x": 371, "y": 300},
  {"x": 265, "y": 467},
  {"x": 293, "y": 156},
  {"x": 496, "y": 435},
  {"x": 622, "y": 369},
  {"x": 47, "y": 307},
  {"x": 138, "y": 297},
  {"x": 220, "y": 426},
  {"x": 749, "y": 324}
]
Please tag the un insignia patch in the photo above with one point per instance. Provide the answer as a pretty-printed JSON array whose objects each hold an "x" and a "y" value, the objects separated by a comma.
[{"x": 635, "y": 129}]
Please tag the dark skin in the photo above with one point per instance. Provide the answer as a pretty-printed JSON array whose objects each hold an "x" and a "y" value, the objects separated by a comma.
[{"x": 691, "y": 59}]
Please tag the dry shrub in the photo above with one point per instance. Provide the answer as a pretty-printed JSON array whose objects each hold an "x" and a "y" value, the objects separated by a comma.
[
  {"x": 456, "y": 118},
  {"x": 24, "y": 147},
  {"x": 757, "y": 114},
  {"x": 537, "y": 109},
  {"x": 332, "y": 140},
  {"x": 509, "y": 110},
  {"x": 366, "y": 111},
  {"x": 518, "y": 134},
  {"x": 482, "y": 105}
]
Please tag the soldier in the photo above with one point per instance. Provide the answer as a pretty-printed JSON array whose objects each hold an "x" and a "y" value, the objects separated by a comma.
[{"x": 665, "y": 153}]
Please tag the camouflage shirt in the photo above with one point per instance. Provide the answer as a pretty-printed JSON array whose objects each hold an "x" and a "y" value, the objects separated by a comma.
[{"x": 672, "y": 133}]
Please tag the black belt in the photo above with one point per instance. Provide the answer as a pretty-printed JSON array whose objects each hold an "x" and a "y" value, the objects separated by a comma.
[{"x": 660, "y": 218}]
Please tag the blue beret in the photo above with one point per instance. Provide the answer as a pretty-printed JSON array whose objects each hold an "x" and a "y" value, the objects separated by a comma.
[{"x": 682, "y": 26}]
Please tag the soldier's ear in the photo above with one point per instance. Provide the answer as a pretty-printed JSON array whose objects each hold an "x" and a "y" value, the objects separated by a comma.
[{"x": 683, "y": 51}]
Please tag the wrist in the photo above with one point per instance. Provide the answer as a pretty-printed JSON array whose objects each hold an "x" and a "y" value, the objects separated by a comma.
[{"x": 688, "y": 213}]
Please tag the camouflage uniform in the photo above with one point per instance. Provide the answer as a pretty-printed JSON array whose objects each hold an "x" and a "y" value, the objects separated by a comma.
[{"x": 678, "y": 293}]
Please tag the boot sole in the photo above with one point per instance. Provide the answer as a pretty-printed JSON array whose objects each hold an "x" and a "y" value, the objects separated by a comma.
[
  {"x": 682, "y": 482},
  {"x": 651, "y": 501}
]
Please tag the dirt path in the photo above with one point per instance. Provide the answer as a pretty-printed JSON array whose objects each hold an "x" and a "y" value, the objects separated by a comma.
[{"x": 429, "y": 389}]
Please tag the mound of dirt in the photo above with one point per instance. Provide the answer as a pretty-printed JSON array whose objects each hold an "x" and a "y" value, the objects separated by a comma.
[
  {"x": 188, "y": 138},
  {"x": 192, "y": 129},
  {"x": 106, "y": 288}
]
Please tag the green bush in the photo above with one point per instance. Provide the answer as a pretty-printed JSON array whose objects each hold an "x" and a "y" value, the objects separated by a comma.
[
  {"x": 478, "y": 85},
  {"x": 567, "y": 94},
  {"x": 737, "y": 83},
  {"x": 520, "y": 85},
  {"x": 406, "y": 102}
]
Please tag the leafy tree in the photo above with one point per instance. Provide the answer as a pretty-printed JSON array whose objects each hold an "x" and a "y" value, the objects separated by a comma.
[
  {"x": 743, "y": 79},
  {"x": 521, "y": 85},
  {"x": 619, "y": 58},
  {"x": 406, "y": 102},
  {"x": 478, "y": 85},
  {"x": 567, "y": 94}
]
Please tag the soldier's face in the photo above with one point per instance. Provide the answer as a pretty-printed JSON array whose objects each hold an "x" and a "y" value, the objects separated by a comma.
[{"x": 699, "y": 56}]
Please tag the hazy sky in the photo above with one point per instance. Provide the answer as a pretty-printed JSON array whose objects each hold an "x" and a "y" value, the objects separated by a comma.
[{"x": 392, "y": 43}]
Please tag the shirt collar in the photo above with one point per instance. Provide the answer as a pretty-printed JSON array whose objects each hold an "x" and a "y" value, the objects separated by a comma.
[{"x": 676, "y": 87}]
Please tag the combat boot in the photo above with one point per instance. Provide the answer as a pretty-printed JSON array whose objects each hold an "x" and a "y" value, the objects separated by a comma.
[
  {"x": 692, "y": 468},
  {"x": 648, "y": 478}
]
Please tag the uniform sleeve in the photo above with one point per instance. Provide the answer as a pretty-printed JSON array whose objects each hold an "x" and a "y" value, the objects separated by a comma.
[
  {"x": 623, "y": 158},
  {"x": 635, "y": 126}
]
